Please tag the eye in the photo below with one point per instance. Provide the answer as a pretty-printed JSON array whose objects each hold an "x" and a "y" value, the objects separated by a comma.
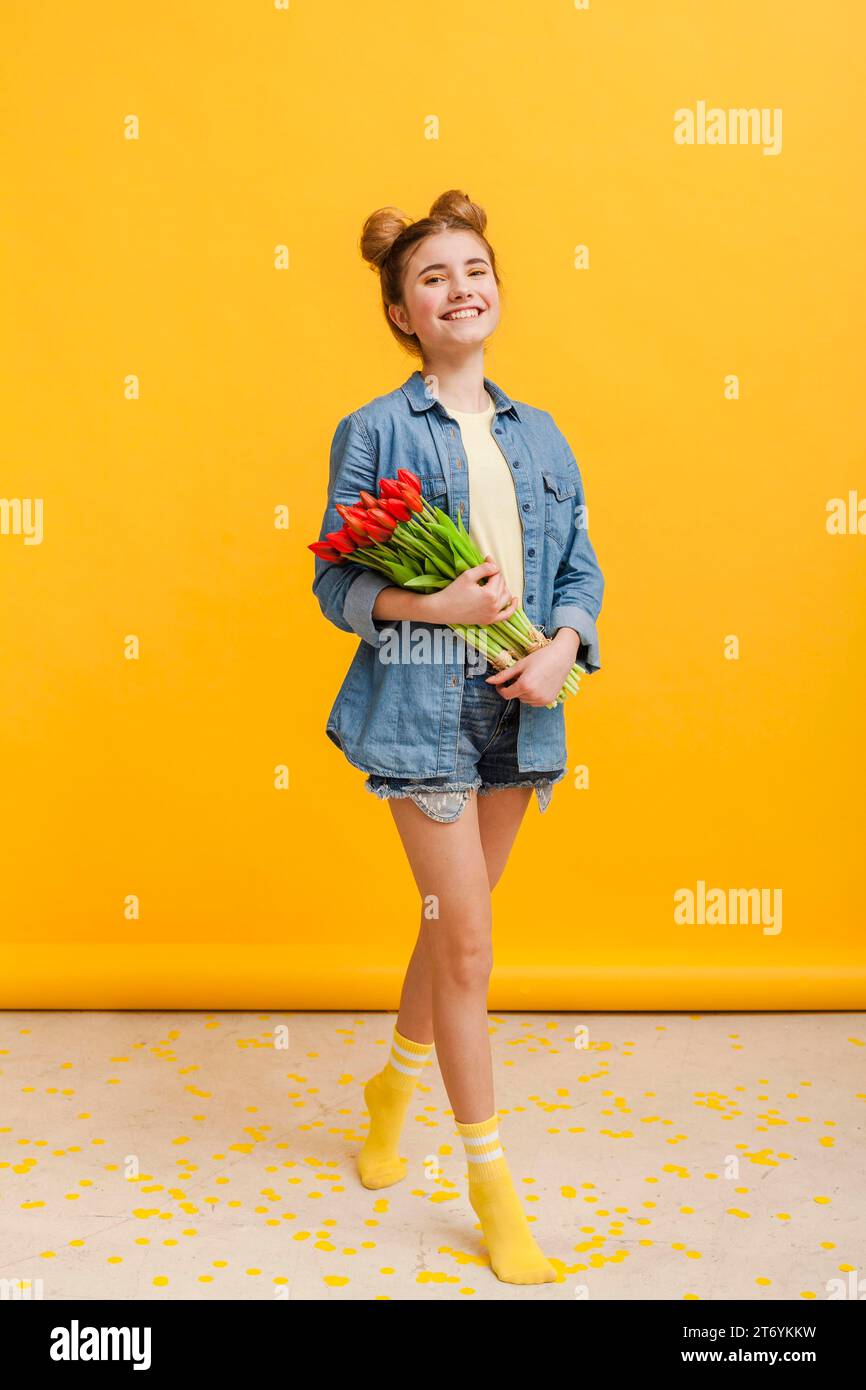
[{"x": 478, "y": 270}]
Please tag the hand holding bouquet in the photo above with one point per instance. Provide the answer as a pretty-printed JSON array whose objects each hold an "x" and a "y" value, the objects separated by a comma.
[{"x": 419, "y": 547}]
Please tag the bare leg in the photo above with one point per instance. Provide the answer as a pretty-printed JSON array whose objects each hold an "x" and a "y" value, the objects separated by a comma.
[
  {"x": 499, "y": 817},
  {"x": 415, "y": 1015},
  {"x": 449, "y": 861},
  {"x": 445, "y": 992}
]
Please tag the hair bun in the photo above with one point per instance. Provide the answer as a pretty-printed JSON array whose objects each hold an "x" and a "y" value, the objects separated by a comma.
[
  {"x": 380, "y": 231},
  {"x": 456, "y": 203}
]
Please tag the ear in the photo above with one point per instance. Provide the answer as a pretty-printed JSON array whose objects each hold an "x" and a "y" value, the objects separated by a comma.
[{"x": 397, "y": 315}]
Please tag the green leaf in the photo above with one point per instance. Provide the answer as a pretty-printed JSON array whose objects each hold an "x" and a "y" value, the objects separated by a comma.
[
  {"x": 403, "y": 573},
  {"x": 470, "y": 546},
  {"x": 425, "y": 582}
]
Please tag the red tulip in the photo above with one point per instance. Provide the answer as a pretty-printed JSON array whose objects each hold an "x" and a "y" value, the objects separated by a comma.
[
  {"x": 358, "y": 520},
  {"x": 377, "y": 533},
  {"x": 382, "y": 518},
  {"x": 396, "y": 507},
  {"x": 409, "y": 478},
  {"x": 368, "y": 499},
  {"x": 351, "y": 521},
  {"x": 325, "y": 552},
  {"x": 412, "y": 498},
  {"x": 389, "y": 487},
  {"x": 340, "y": 541}
]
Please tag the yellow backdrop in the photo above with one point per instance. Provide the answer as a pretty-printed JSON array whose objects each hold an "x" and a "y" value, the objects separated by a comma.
[{"x": 187, "y": 319}]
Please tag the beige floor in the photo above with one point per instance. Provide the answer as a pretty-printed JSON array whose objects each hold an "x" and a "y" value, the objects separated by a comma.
[{"x": 212, "y": 1156}]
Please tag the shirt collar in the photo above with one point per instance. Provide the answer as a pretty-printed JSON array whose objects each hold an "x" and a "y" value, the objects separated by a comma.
[{"x": 416, "y": 393}]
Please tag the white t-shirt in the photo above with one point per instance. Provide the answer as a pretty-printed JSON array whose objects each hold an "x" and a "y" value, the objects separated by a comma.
[{"x": 494, "y": 517}]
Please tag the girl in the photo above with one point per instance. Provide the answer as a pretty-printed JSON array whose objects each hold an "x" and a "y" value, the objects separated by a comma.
[{"x": 455, "y": 746}]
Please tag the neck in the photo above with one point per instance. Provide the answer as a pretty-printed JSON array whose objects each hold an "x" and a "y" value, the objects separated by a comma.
[{"x": 458, "y": 384}]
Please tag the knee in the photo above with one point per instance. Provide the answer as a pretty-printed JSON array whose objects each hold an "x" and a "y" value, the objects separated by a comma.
[{"x": 463, "y": 963}]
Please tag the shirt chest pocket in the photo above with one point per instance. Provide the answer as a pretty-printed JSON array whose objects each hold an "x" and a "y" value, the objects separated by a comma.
[
  {"x": 559, "y": 504},
  {"x": 434, "y": 490}
]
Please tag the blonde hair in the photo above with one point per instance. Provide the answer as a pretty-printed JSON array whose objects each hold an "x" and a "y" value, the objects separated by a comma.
[{"x": 389, "y": 234}]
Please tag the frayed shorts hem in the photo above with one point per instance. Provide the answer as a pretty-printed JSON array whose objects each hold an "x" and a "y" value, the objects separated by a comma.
[
  {"x": 387, "y": 790},
  {"x": 446, "y": 801}
]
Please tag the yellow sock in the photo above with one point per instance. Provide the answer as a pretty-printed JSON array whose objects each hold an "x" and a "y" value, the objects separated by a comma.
[
  {"x": 387, "y": 1095},
  {"x": 514, "y": 1255}
]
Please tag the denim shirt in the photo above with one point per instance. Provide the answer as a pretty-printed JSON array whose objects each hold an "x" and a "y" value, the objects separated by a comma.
[{"x": 400, "y": 718}]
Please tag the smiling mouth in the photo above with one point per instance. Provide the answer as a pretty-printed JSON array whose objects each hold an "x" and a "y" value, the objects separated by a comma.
[{"x": 458, "y": 315}]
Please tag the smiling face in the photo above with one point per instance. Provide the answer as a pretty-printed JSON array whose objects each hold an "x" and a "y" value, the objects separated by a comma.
[{"x": 451, "y": 300}]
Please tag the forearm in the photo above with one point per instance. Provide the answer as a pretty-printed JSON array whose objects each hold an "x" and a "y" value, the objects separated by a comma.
[
  {"x": 395, "y": 604},
  {"x": 569, "y": 639}
]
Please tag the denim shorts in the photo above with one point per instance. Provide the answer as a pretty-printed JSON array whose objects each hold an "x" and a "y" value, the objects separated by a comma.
[{"x": 486, "y": 756}]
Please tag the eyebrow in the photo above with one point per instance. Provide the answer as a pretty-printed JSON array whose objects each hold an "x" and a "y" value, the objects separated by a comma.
[{"x": 473, "y": 260}]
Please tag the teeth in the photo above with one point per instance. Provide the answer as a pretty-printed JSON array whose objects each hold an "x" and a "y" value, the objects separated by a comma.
[{"x": 463, "y": 314}]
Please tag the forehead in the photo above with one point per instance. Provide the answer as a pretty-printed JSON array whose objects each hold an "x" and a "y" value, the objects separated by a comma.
[{"x": 449, "y": 248}]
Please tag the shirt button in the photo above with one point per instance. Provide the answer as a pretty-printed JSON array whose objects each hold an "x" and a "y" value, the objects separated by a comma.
[
  {"x": 530, "y": 598},
  {"x": 530, "y": 552},
  {"x": 495, "y": 431},
  {"x": 526, "y": 506},
  {"x": 453, "y": 680},
  {"x": 459, "y": 463},
  {"x": 517, "y": 463}
]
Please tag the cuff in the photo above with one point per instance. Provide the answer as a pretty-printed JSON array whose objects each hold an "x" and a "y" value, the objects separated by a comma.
[
  {"x": 570, "y": 615},
  {"x": 358, "y": 604}
]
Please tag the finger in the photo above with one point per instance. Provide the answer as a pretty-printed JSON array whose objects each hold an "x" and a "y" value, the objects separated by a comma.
[
  {"x": 508, "y": 674},
  {"x": 476, "y": 572}
]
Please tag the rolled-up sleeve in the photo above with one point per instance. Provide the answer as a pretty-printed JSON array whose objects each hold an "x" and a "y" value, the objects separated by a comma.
[
  {"x": 346, "y": 592},
  {"x": 578, "y": 587}
]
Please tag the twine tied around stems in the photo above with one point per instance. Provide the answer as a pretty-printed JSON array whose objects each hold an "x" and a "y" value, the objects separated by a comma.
[
  {"x": 501, "y": 660},
  {"x": 536, "y": 640}
]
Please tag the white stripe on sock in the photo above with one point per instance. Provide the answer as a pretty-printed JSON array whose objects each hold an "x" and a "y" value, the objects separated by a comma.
[
  {"x": 410, "y": 1056},
  {"x": 484, "y": 1158},
  {"x": 475, "y": 1142},
  {"x": 407, "y": 1071}
]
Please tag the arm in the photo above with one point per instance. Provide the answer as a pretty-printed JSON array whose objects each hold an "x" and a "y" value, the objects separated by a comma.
[
  {"x": 348, "y": 593},
  {"x": 395, "y": 603},
  {"x": 361, "y": 600},
  {"x": 579, "y": 583}
]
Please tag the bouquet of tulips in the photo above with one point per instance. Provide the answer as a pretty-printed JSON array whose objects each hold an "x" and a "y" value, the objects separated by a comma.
[{"x": 419, "y": 547}]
